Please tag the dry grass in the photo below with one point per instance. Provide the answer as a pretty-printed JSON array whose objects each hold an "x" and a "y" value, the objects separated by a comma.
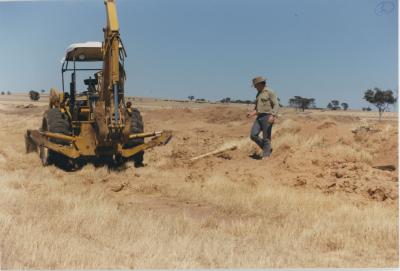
[
  {"x": 213, "y": 214},
  {"x": 56, "y": 227},
  {"x": 350, "y": 154}
]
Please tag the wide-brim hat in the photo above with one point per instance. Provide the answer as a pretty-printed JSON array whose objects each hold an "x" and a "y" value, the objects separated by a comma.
[{"x": 258, "y": 79}]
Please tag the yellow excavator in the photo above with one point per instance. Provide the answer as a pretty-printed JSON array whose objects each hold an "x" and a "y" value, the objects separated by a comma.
[{"x": 97, "y": 123}]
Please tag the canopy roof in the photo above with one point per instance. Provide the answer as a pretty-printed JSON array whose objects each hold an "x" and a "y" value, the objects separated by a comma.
[{"x": 86, "y": 51}]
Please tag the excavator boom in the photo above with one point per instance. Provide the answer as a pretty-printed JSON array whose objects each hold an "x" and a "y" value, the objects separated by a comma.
[{"x": 112, "y": 81}]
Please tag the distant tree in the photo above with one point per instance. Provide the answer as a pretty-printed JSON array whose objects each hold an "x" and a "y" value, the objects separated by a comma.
[
  {"x": 34, "y": 95},
  {"x": 2, "y": 93},
  {"x": 382, "y": 99},
  {"x": 329, "y": 106},
  {"x": 8, "y": 92},
  {"x": 292, "y": 102},
  {"x": 42, "y": 91},
  {"x": 241, "y": 101},
  {"x": 312, "y": 103},
  {"x": 226, "y": 100},
  {"x": 335, "y": 104},
  {"x": 301, "y": 102},
  {"x": 345, "y": 106},
  {"x": 191, "y": 97},
  {"x": 238, "y": 101},
  {"x": 200, "y": 100}
]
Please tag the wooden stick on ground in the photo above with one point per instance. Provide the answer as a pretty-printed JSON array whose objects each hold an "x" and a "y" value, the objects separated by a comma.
[{"x": 215, "y": 152}]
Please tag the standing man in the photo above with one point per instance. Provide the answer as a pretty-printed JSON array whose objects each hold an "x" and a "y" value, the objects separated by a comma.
[{"x": 266, "y": 110}]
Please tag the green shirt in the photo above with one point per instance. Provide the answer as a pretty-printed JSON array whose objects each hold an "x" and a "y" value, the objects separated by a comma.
[{"x": 267, "y": 102}]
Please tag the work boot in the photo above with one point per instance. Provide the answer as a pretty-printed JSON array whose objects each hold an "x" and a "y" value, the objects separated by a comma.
[{"x": 265, "y": 158}]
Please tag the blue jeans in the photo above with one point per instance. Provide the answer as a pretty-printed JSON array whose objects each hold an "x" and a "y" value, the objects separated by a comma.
[{"x": 261, "y": 124}]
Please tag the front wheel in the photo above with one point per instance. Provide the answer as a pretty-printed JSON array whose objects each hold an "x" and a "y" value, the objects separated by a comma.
[{"x": 56, "y": 122}]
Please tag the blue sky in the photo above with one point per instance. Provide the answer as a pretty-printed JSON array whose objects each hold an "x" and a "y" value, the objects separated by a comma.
[{"x": 326, "y": 49}]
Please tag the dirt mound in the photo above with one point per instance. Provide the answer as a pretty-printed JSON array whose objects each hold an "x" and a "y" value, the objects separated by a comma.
[
  {"x": 309, "y": 151},
  {"x": 225, "y": 115},
  {"x": 331, "y": 157}
]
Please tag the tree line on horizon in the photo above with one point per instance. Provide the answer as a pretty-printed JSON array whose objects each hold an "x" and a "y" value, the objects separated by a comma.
[{"x": 381, "y": 99}]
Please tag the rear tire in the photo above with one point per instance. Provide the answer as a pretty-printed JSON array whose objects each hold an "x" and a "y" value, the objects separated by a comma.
[
  {"x": 135, "y": 122},
  {"x": 56, "y": 122}
]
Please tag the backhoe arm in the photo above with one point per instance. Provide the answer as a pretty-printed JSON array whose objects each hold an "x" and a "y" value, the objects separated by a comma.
[{"x": 112, "y": 86}]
